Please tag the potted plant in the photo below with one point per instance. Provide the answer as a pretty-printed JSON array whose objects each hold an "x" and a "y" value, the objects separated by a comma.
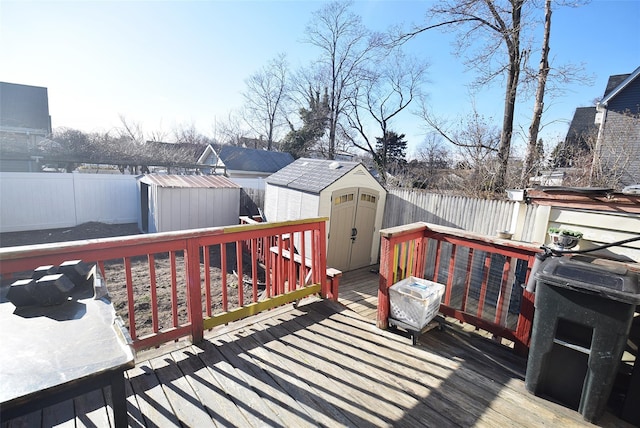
[{"x": 564, "y": 239}]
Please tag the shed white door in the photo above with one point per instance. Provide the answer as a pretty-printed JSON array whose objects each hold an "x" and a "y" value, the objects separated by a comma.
[{"x": 353, "y": 213}]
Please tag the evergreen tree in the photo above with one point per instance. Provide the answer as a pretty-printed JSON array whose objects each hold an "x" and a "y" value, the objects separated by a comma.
[
  {"x": 315, "y": 120},
  {"x": 390, "y": 153}
]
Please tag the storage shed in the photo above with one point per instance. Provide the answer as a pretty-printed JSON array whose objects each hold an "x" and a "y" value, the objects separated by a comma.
[
  {"x": 346, "y": 192},
  {"x": 179, "y": 202}
]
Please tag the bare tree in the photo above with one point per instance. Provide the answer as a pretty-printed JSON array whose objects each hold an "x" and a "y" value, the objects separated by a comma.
[
  {"x": 264, "y": 99},
  {"x": 497, "y": 25},
  {"x": 131, "y": 130},
  {"x": 385, "y": 91},
  {"x": 346, "y": 47},
  {"x": 543, "y": 73},
  {"x": 477, "y": 143},
  {"x": 188, "y": 133},
  {"x": 230, "y": 130}
]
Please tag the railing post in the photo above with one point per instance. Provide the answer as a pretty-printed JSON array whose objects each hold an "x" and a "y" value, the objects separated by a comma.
[
  {"x": 194, "y": 308},
  {"x": 322, "y": 257},
  {"x": 525, "y": 323},
  {"x": 386, "y": 279},
  {"x": 525, "y": 319}
]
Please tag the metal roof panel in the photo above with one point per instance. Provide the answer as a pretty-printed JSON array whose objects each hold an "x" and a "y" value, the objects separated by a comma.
[{"x": 189, "y": 181}]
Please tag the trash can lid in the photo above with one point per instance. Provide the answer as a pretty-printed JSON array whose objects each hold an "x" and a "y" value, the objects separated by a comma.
[{"x": 611, "y": 282}]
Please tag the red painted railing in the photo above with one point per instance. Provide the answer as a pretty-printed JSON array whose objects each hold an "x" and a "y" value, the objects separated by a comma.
[
  {"x": 176, "y": 284},
  {"x": 483, "y": 276}
]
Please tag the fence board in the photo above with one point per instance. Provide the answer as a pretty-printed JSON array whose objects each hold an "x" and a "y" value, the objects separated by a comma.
[
  {"x": 483, "y": 216},
  {"x": 31, "y": 201}
]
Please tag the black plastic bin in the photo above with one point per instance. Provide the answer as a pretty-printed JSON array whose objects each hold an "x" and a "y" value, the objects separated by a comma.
[{"x": 582, "y": 319}]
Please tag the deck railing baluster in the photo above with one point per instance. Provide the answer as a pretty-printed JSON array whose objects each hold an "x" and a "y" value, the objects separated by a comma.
[
  {"x": 395, "y": 265},
  {"x": 206, "y": 256},
  {"x": 223, "y": 279},
  {"x": 130, "y": 298},
  {"x": 194, "y": 247},
  {"x": 153, "y": 284},
  {"x": 174, "y": 288}
]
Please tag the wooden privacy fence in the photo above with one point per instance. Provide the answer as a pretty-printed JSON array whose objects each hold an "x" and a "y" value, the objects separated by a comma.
[
  {"x": 405, "y": 206},
  {"x": 484, "y": 276},
  {"x": 176, "y": 284}
]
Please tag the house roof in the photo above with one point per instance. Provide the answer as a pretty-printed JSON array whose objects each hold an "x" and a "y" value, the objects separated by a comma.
[
  {"x": 618, "y": 83},
  {"x": 243, "y": 159},
  {"x": 582, "y": 125},
  {"x": 24, "y": 106},
  {"x": 311, "y": 175},
  {"x": 177, "y": 152},
  {"x": 189, "y": 181}
]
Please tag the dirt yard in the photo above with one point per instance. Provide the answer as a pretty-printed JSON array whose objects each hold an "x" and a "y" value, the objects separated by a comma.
[
  {"x": 84, "y": 231},
  {"x": 140, "y": 276}
]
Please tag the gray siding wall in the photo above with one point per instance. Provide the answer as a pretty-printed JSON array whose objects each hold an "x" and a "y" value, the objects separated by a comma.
[
  {"x": 628, "y": 100},
  {"x": 620, "y": 149}
]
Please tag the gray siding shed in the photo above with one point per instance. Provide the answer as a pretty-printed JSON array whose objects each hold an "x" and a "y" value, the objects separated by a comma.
[{"x": 180, "y": 202}]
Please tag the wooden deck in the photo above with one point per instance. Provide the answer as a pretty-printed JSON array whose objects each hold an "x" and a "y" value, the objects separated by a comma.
[{"x": 322, "y": 364}]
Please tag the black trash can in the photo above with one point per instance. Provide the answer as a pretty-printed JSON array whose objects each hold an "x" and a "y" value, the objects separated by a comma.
[{"x": 583, "y": 315}]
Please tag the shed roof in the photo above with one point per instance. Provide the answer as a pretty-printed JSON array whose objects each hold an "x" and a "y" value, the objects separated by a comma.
[
  {"x": 243, "y": 159},
  {"x": 189, "y": 181},
  {"x": 311, "y": 175}
]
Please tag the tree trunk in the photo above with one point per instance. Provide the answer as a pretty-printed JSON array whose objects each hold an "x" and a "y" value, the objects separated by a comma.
[
  {"x": 512, "y": 41},
  {"x": 543, "y": 73}
]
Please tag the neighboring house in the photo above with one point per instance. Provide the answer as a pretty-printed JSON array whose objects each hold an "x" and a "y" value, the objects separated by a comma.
[
  {"x": 618, "y": 121},
  {"x": 580, "y": 138},
  {"x": 247, "y": 167},
  {"x": 24, "y": 123},
  {"x": 185, "y": 158}
]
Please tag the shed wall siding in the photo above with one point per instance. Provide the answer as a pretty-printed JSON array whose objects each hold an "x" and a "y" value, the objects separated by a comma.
[{"x": 194, "y": 208}]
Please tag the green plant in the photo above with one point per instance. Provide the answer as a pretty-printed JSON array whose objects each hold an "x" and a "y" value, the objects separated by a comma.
[{"x": 567, "y": 232}]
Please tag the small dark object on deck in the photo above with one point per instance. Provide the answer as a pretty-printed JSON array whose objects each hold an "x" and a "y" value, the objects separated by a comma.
[
  {"x": 41, "y": 271},
  {"x": 77, "y": 271},
  {"x": 54, "y": 285},
  {"x": 51, "y": 289},
  {"x": 19, "y": 294}
]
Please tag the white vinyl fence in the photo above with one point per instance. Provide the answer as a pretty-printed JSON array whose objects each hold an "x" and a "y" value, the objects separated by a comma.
[{"x": 32, "y": 201}]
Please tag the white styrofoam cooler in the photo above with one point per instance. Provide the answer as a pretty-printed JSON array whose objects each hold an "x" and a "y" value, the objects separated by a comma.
[{"x": 415, "y": 301}]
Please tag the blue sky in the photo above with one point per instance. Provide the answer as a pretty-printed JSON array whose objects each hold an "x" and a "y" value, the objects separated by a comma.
[{"x": 166, "y": 64}]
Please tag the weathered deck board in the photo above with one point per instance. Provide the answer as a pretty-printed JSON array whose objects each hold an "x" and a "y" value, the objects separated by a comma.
[
  {"x": 323, "y": 365},
  {"x": 359, "y": 292}
]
